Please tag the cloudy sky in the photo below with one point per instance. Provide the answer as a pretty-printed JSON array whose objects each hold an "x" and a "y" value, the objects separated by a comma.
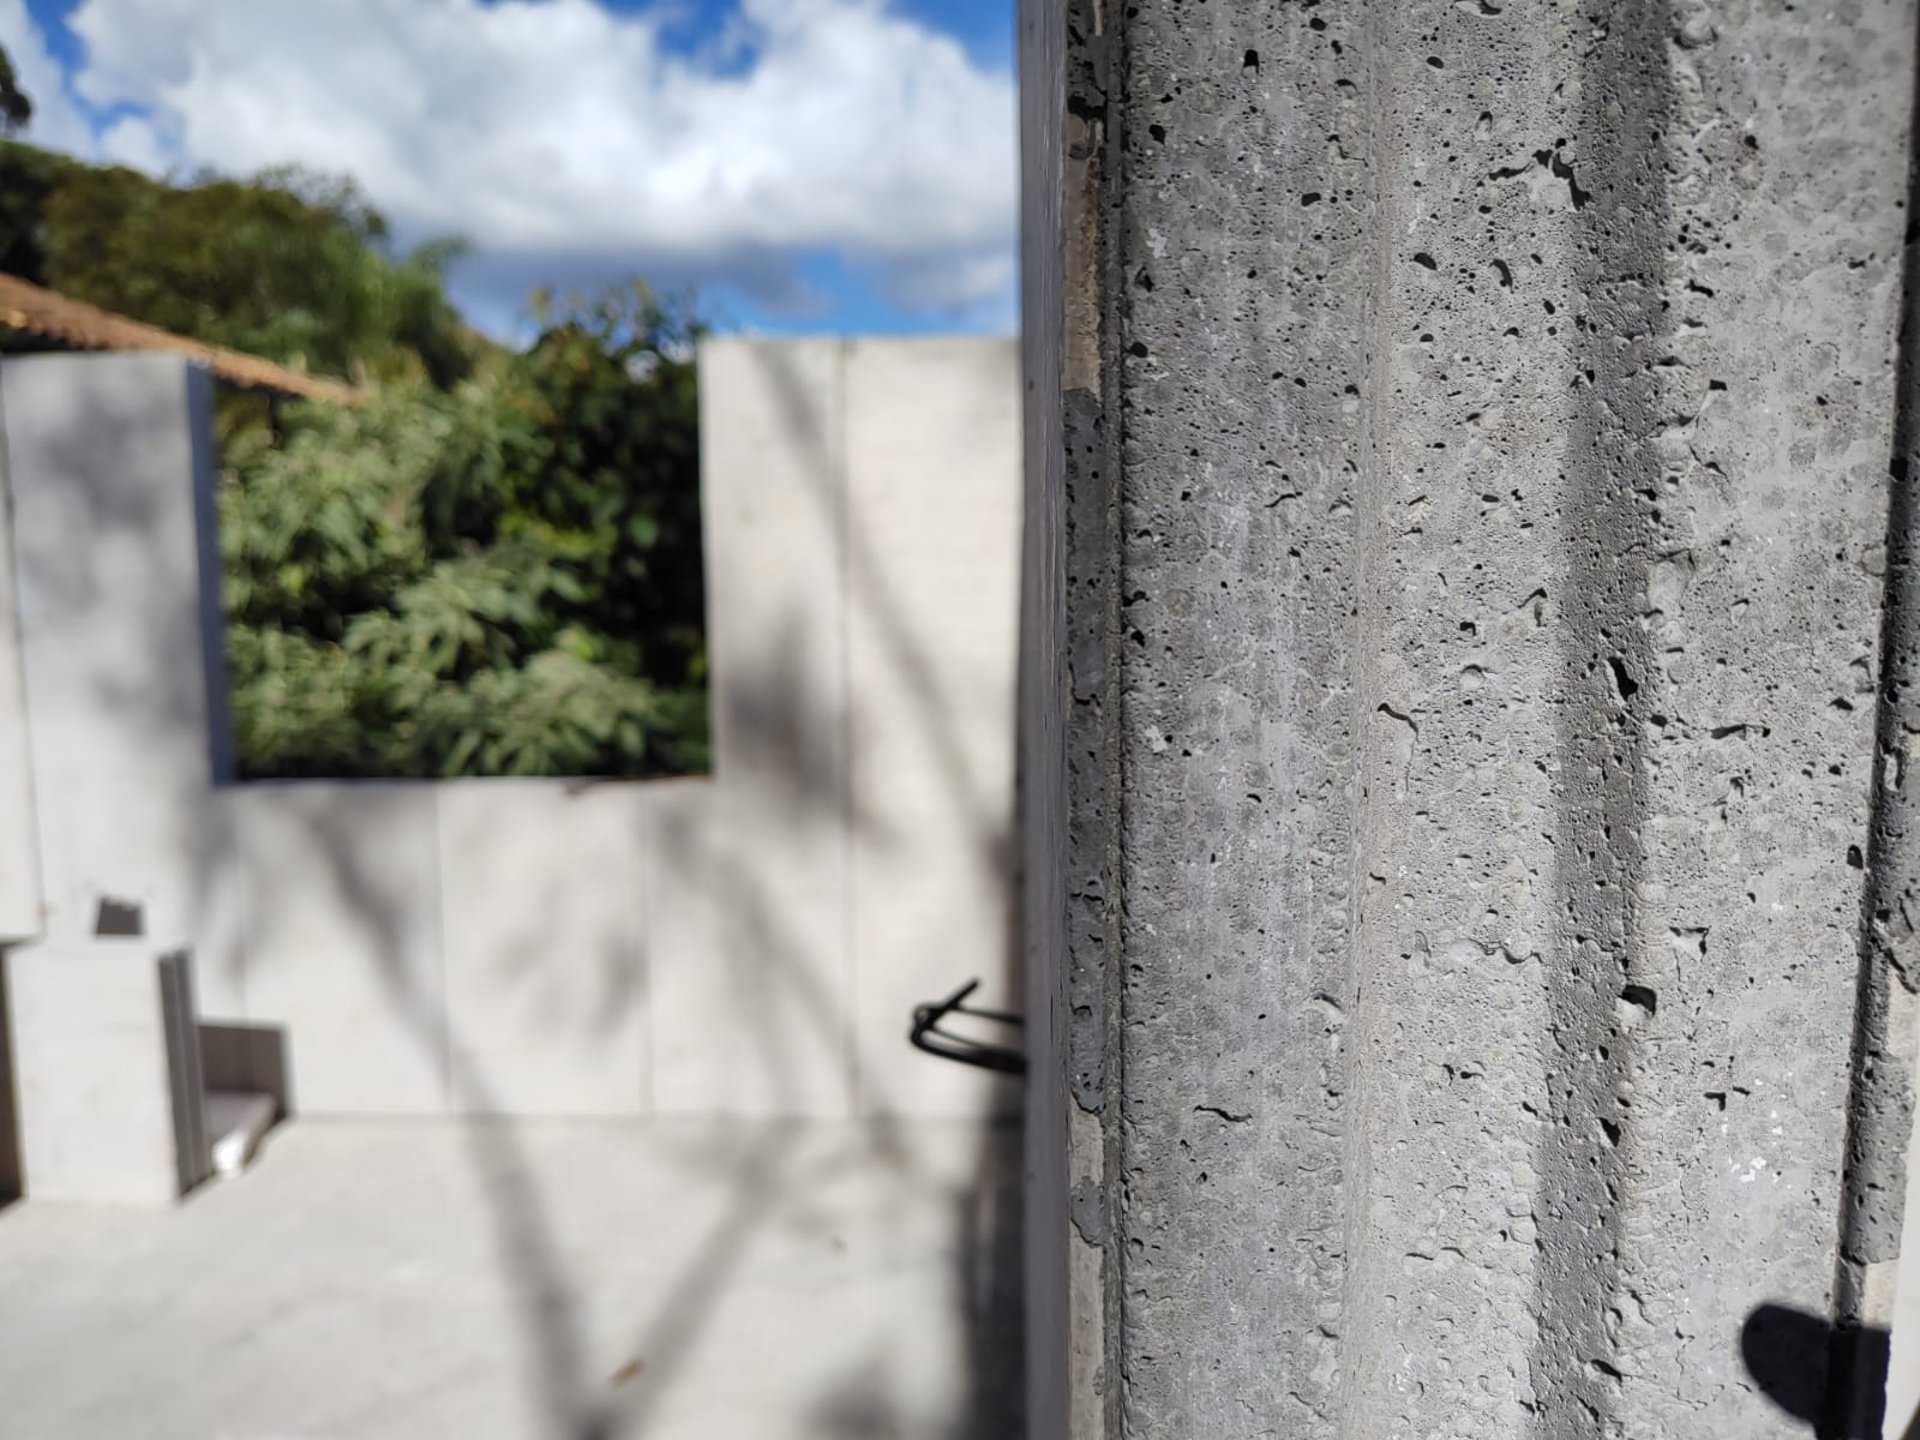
[{"x": 810, "y": 164}]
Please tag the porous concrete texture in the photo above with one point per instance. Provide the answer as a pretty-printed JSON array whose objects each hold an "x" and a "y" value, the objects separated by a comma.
[
  {"x": 109, "y": 471},
  {"x": 1476, "y": 953},
  {"x": 673, "y": 1280},
  {"x": 107, "y": 1076}
]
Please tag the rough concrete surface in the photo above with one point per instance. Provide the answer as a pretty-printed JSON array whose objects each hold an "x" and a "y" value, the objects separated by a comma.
[
  {"x": 534, "y": 1281},
  {"x": 1477, "y": 525}
]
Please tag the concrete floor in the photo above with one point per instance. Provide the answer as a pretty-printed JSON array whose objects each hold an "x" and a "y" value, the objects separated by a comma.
[{"x": 684, "y": 1281}]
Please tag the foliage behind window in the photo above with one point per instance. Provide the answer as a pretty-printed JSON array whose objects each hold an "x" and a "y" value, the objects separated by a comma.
[
  {"x": 503, "y": 578},
  {"x": 492, "y": 566}
]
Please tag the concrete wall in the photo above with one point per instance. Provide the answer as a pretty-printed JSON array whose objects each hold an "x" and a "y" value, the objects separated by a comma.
[
  {"x": 751, "y": 943},
  {"x": 109, "y": 1085},
  {"x": 19, "y": 851},
  {"x": 862, "y": 513},
  {"x": 107, "y": 464},
  {"x": 1469, "y": 433}
]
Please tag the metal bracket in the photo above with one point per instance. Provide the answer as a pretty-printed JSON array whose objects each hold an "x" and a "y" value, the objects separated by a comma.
[{"x": 928, "y": 1036}]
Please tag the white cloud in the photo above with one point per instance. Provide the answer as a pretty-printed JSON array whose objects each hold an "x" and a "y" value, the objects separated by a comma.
[
  {"x": 559, "y": 131},
  {"x": 57, "y": 121}
]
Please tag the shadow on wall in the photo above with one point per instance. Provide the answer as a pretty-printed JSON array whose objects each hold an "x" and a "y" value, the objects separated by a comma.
[
  {"x": 98, "y": 561},
  {"x": 774, "y": 977},
  {"x": 1787, "y": 1352},
  {"x": 9, "y": 1122}
]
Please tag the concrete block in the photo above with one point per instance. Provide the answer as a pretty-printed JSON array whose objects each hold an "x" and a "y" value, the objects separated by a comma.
[
  {"x": 343, "y": 942},
  {"x": 542, "y": 921},
  {"x": 933, "y": 541},
  {"x": 107, "y": 1073},
  {"x": 108, "y": 463},
  {"x": 773, "y": 476}
]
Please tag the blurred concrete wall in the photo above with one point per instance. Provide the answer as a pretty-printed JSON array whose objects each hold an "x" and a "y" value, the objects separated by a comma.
[
  {"x": 749, "y": 943},
  {"x": 19, "y": 858}
]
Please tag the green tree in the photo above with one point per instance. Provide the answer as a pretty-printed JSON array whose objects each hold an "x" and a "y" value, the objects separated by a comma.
[
  {"x": 492, "y": 565},
  {"x": 290, "y": 265},
  {"x": 500, "y": 579},
  {"x": 15, "y": 108}
]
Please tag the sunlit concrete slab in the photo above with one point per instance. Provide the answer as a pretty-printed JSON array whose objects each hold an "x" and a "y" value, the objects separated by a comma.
[
  {"x": 543, "y": 925},
  {"x": 561, "y": 1280},
  {"x": 933, "y": 540},
  {"x": 107, "y": 1075},
  {"x": 343, "y": 942},
  {"x": 109, "y": 467}
]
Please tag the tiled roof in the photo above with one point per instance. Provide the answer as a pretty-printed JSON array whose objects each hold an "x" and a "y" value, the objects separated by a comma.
[{"x": 52, "y": 316}]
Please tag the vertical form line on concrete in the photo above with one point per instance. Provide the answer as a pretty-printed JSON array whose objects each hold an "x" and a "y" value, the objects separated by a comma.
[
  {"x": 1608, "y": 685},
  {"x": 1040, "y": 758},
  {"x": 1880, "y": 1099},
  {"x": 13, "y": 687},
  {"x": 840, "y": 520},
  {"x": 1368, "y": 507},
  {"x": 1047, "y": 1237},
  {"x": 1100, "y": 509}
]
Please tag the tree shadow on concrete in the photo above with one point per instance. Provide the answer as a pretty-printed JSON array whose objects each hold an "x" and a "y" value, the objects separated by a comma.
[
  {"x": 763, "y": 719},
  {"x": 990, "y": 1213},
  {"x": 765, "y": 1177},
  {"x": 777, "y": 979}
]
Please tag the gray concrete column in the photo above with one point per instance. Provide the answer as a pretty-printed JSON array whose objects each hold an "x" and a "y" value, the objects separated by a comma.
[{"x": 1463, "y": 780}]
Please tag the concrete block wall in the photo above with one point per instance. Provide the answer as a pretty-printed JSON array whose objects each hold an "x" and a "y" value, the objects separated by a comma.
[
  {"x": 105, "y": 456},
  {"x": 862, "y": 507},
  {"x": 747, "y": 944},
  {"x": 774, "y": 485},
  {"x": 108, "y": 1076},
  {"x": 472, "y": 947},
  {"x": 933, "y": 576},
  {"x": 1473, "y": 443},
  {"x": 342, "y": 947}
]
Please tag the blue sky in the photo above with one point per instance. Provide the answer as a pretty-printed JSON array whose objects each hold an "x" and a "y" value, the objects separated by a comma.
[{"x": 807, "y": 165}]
